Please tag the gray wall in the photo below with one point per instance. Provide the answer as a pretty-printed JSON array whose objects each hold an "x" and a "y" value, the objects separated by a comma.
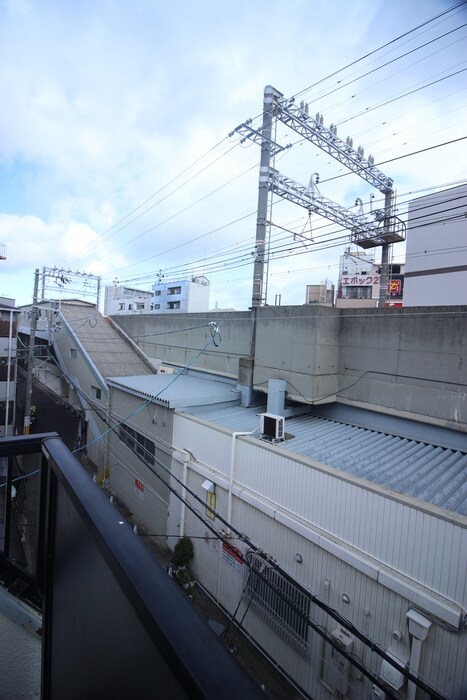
[
  {"x": 177, "y": 338},
  {"x": 409, "y": 361}
]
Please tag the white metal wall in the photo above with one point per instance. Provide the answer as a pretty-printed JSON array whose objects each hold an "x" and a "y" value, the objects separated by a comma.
[{"x": 385, "y": 553}]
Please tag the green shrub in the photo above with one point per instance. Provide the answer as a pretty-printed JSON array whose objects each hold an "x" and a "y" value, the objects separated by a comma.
[{"x": 183, "y": 552}]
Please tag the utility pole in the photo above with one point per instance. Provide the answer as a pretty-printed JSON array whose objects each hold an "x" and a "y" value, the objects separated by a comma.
[
  {"x": 387, "y": 228},
  {"x": 263, "y": 194},
  {"x": 32, "y": 339},
  {"x": 384, "y": 276}
]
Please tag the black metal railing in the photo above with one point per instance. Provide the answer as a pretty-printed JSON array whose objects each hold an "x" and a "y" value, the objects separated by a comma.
[{"x": 114, "y": 624}]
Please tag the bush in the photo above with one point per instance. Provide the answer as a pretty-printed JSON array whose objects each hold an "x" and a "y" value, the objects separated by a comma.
[{"x": 183, "y": 552}]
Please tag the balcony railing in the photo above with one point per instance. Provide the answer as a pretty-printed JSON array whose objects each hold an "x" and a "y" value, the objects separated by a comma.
[{"x": 114, "y": 624}]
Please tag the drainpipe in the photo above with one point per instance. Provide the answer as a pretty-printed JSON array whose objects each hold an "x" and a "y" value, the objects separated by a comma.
[
  {"x": 186, "y": 459},
  {"x": 419, "y": 626},
  {"x": 229, "y": 504},
  {"x": 231, "y": 474}
]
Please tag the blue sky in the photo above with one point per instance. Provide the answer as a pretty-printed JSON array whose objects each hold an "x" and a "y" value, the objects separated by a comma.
[{"x": 107, "y": 105}]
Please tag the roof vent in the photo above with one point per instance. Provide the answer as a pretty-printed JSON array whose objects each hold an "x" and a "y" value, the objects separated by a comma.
[{"x": 272, "y": 427}]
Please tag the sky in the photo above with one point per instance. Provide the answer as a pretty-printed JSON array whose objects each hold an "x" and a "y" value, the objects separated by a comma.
[{"x": 115, "y": 154}]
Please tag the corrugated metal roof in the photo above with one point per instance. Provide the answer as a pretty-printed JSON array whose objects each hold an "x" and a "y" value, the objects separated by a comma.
[
  {"x": 179, "y": 390},
  {"x": 434, "y": 474}
]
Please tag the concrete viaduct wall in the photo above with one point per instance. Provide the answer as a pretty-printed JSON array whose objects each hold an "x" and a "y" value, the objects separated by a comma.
[{"x": 410, "y": 361}]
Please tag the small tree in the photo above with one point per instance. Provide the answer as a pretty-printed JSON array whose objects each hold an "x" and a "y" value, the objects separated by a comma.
[{"x": 183, "y": 552}]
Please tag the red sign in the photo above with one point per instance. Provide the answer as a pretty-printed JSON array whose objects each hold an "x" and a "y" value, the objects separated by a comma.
[
  {"x": 232, "y": 556},
  {"x": 139, "y": 488},
  {"x": 394, "y": 286}
]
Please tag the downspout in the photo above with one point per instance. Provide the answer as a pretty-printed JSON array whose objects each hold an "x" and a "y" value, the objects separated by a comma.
[
  {"x": 229, "y": 502},
  {"x": 231, "y": 474},
  {"x": 186, "y": 459},
  {"x": 419, "y": 626}
]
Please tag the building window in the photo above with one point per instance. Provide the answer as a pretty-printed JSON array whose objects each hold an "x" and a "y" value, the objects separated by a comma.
[
  {"x": 357, "y": 292},
  {"x": 130, "y": 307},
  {"x": 174, "y": 290},
  {"x": 157, "y": 293},
  {"x": 121, "y": 307},
  {"x": 157, "y": 306},
  {"x": 279, "y": 602},
  {"x": 140, "y": 307},
  {"x": 138, "y": 443},
  {"x": 173, "y": 304},
  {"x": 73, "y": 353},
  {"x": 96, "y": 393}
]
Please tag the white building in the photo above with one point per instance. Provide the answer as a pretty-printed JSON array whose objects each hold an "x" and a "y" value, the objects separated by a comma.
[
  {"x": 181, "y": 296},
  {"x": 436, "y": 254},
  {"x": 126, "y": 300},
  {"x": 347, "y": 533},
  {"x": 359, "y": 281}
]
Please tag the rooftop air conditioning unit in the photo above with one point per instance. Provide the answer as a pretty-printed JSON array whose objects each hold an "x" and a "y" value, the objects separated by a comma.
[
  {"x": 165, "y": 370},
  {"x": 272, "y": 427}
]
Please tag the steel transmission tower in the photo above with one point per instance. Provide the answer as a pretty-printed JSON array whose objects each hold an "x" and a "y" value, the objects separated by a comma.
[{"x": 383, "y": 231}]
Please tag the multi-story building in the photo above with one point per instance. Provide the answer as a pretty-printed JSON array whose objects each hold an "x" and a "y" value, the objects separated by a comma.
[
  {"x": 126, "y": 300},
  {"x": 178, "y": 296},
  {"x": 320, "y": 293},
  {"x": 181, "y": 296},
  {"x": 359, "y": 281},
  {"x": 436, "y": 254},
  {"x": 8, "y": 366}
]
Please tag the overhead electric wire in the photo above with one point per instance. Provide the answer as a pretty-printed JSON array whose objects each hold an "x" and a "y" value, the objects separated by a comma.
[
  {"x": 238, "y": 263},
  {"x": 380, "y": 48}
]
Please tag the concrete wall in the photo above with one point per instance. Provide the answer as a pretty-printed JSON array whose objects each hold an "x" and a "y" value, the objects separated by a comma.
[
  {"x": 178, "y": 338},
  {"x": 409, "y": 362}
]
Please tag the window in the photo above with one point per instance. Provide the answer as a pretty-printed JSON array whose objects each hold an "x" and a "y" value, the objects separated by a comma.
[
  {"x": 121, "y": 307},
  {"x": 279, "y": 602},
  {"x": 157, "y": 293},
  {"x": 130, "y": 307},
  {"x": 157, "y": 306},
  {"x": 173, "y": 304},
  {"x": 140, "y": 307},
  {"x": 138, "y": 443},
  {"x": 357, "y": 292},
  {"x": 96, "y": 393},
  {"x": 73, "y": 353},
  {"x": 174, "y": 290}
]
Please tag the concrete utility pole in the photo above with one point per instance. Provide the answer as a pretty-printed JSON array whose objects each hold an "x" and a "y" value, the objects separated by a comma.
[
  {"x": 32, "y": 339},
  {"x": 261, "y": 222}
]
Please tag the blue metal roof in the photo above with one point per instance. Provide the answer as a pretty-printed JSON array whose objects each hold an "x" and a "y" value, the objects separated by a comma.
[
  {"x": 430, "y": 472},
  {"x": 179, "y": 390}
]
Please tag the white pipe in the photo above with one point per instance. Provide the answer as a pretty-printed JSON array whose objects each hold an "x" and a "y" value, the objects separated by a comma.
[
  {"x": 415, "y": 653},
  {"x": 186, "y": 459},
  {"x": 419, "y": 626},
  {"x": 232, "y": 473}
]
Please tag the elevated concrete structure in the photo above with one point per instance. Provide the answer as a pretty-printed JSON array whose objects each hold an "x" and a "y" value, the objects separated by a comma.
[{"x": 409, "y": 362}]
